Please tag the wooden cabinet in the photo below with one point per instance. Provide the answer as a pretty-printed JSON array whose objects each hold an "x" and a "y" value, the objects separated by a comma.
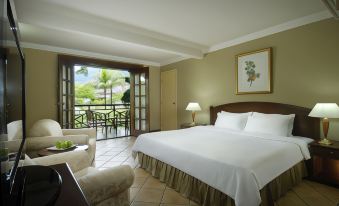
[{"x": 325, "y": 159}]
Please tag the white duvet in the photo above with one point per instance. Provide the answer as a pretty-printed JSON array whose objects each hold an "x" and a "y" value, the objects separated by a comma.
[{"x": 238, "y": 164}]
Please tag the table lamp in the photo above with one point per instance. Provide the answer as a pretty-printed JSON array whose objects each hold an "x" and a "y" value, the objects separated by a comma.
[
  {"x": 193, "y": 106},
  {"x": 325, "y": 111}
]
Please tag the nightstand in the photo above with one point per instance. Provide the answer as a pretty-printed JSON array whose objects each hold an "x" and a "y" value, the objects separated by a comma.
[
  {"x": 325, "y": 159},
  {"x": 188, "y": 125}
]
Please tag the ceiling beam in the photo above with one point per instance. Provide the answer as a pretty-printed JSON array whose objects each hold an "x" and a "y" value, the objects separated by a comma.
[{"x": 65, "y": 19}]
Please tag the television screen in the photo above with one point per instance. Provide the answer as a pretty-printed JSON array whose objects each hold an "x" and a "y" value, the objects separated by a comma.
[{"x": 12, "y": 97}]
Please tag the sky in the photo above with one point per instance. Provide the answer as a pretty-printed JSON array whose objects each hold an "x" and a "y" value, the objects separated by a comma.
[{"x": 92, "y": 74}]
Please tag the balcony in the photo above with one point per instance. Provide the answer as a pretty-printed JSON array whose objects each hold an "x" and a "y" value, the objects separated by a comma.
[{"x": 110, "y": 120}]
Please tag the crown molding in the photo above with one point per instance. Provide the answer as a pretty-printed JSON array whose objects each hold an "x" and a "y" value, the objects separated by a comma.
[
  {"x": 83, "y": 53},
  {"x": 272, "y": 30}
]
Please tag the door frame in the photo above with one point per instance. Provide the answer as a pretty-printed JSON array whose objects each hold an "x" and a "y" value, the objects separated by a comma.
[{"x": 71, "y": 61}]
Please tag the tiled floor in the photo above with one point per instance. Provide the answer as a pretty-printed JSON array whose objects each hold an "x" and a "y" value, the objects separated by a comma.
[
  {"x": 149, "y": 191},
  {"x": 111, "y": 133}
]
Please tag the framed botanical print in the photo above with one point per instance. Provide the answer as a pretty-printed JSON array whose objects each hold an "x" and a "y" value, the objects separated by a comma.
[{"x": 254, "y": 72}]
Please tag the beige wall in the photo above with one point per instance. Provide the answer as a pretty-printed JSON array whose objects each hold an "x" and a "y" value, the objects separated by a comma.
[
  {"x": 41, "y": 85},
  {"x": 305, "y": 71},
  {"x": 154, "y": 97},
  {"x": 42, "y": 81}
]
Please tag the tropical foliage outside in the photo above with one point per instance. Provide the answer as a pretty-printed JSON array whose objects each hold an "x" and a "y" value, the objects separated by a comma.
[{"x": 101, "y": 86}]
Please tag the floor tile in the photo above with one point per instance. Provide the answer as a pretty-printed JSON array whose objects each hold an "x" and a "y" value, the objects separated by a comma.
[
  {"x": 112, "y": 164},
  {"x": 103, "y": 157},
  {"x": 144, "y": 204},
  {"x": 119, "y": 159},
  {"x": 149, "y": 195},
  {"x": 153, "y": 183},
  {"x": 139, "y": 172},
  {"x": 99, "y": 163},
  {"x": 139, "y": 181},
  {"x": 112, "y": 153},
  {"x": 114, "y": 149},
  {"x": 172, "y": 197}
]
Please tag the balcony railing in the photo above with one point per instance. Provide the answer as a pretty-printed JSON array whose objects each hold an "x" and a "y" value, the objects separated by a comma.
[{"x": 112, "y": 119}]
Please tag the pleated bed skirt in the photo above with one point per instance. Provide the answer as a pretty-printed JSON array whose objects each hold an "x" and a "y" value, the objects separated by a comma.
[{"x": 205, "y": 195}]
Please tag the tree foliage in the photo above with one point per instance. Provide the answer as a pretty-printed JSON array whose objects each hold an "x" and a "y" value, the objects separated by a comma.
[
  {"x": 83, "y": 92},
  {"x": 83, "y": 70},
  {"x": 106, "y": 80}
]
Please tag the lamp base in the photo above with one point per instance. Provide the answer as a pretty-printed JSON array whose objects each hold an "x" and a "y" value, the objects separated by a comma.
[{"x": 325, "y": 141}]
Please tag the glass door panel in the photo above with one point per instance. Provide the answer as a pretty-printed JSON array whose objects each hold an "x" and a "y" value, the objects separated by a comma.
[
  {"x": 66, "y": 96},
  {"x": 140, "y": 103}
]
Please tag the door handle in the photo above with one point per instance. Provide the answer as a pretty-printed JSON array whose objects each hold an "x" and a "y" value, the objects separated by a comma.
[{"x": 173, "y": 103}]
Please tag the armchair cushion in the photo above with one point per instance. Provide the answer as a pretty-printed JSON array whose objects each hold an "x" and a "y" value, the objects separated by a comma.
[
  {"x": 46, "y": 127},
  {"x": 14, "y": 130},
  {"x": 102, "y": 185},
  {"x": 86, "y": 171},
  {"x": 77, "y": 160},
  {"x": 91, "y": 132}
]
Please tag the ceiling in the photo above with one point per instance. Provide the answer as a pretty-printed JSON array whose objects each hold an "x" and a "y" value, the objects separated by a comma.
[{"x": 154, "y": 32}]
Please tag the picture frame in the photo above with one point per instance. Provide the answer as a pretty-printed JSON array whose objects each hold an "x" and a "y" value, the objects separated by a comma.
[{"x": 254, "y": 72}]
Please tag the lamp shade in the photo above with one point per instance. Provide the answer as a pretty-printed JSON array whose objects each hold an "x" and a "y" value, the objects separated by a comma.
[
  {"x": 193, "y": 106},
  {"x": 325, "y": 110}
]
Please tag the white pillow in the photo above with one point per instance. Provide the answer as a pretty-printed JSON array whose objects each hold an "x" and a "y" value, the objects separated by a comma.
[
  {"x": 273, "y": 116},
  {"x": 234, "y": 121},
  {"x": 276, "y": 125}
]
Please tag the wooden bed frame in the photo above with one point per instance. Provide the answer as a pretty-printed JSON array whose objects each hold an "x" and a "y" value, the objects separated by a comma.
[{"x": 303, "y": 124}]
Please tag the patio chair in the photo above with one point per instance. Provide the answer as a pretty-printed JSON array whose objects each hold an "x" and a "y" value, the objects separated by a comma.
[
  {"x": 111, "y": 121},
  {"x": 80, "y": 121},
  {"x": 96, "y": 119},
  {"x": 123, "y": 120}
]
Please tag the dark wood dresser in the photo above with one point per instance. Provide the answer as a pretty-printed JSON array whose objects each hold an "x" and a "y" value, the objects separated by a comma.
[{"x": 325, "y": 163}]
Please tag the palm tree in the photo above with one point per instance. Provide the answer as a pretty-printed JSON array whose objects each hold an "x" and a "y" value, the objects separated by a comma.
[
  {"x": 83, "y": 70},
  {"x": 116, "y": 80},
  {"x": 104, "y": 81}
]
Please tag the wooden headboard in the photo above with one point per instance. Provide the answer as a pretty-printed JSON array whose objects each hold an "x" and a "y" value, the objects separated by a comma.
[{"x": 303, "y": 124}]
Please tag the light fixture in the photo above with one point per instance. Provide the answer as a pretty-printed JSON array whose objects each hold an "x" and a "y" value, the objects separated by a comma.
[
  {"x": 325, "y": 111},
  {"x": 193, "y": 106}
]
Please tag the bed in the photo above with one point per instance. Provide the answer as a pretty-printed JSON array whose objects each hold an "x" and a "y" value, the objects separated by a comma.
[{"x": 216, "y": 166}]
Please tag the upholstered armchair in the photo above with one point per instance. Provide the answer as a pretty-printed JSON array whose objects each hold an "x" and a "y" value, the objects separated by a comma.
[
  {"x": 46, "y": 132},
  {"x": 101, "y": 188}
]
